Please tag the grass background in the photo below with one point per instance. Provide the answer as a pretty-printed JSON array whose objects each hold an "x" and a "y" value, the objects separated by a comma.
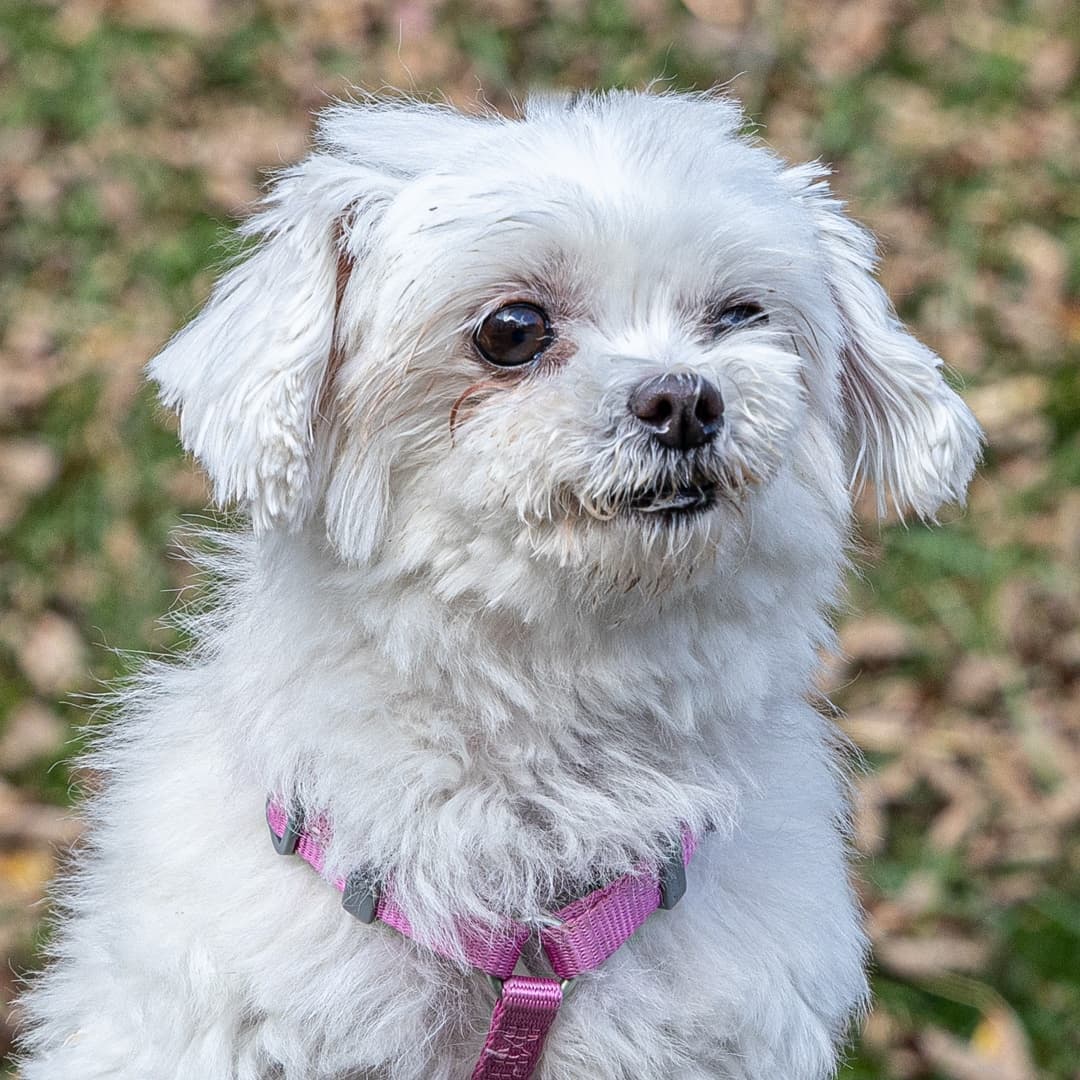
[{"x": 132, "y": 133}]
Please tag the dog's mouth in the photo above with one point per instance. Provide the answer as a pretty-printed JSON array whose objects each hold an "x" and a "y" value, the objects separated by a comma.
[{"x": 672, "y": 503}]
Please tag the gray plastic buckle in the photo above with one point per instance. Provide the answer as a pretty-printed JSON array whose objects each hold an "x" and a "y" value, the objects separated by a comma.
[
  {"x": 360, "y": 897},
  {"x": 285, "y": 844},
  {"x": 673, "y": 878}
]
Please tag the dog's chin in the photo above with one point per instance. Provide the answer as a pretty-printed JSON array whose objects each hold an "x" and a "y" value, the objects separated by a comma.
[{"x": 646, "y": 539}]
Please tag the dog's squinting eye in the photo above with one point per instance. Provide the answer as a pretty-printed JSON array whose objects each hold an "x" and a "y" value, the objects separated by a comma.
[
  {"x": 514, "y": 335},
  {"x": 721, "y": 320}
]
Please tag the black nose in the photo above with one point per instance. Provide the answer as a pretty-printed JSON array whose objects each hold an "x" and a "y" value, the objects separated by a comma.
[{"x": 681, "y": 410}]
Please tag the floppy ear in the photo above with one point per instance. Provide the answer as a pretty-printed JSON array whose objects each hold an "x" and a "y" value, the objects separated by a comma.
[
  {"x": 247, "y": 375},
  {"x": 910, "y": 435}
]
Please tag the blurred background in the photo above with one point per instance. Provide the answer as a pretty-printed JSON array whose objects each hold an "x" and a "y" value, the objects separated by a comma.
[{"x": 132, "y": 136}]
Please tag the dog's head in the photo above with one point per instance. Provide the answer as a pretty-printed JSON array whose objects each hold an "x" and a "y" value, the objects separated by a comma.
[{"x": 592, "y": 337}]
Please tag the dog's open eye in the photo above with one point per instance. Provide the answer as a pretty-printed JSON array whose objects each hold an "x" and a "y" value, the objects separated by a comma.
[
  {"x": 722, "y": 319},
  {"x": 514, "y": 335}
]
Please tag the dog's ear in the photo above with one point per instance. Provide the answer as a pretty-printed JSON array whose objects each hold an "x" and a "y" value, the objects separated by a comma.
[
  {"x": 909, "y": 433},
  {"x": 247, "y": 375}
]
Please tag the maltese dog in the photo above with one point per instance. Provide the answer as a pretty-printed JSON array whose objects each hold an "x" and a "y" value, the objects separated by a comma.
[{"x": 548, "y": 430}]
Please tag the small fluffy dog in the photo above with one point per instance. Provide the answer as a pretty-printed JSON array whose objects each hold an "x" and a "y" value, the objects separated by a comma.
[{"x": 548, "y": 429}]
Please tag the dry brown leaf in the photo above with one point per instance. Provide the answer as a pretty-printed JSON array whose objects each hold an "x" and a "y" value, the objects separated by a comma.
[
  {"x": 123, "y": 544},
  {"x": 1045, "y": 260},
  {"x": 957, "y": 821},
  {"x": 893, "y": 917},
  {"x": 928, "y": 37},
  {"x": 9, "y": 1018},
  {"x": 32, "y": 732},
  {"x": 1033, "y": 846},
  {"x": 1010, "y": 411},
  {"x": 1052, "y": 67},
  {"x": 187, "y": 486},
  {"x": 119, "y": 350},
  {"x": 1000, "y": 1038},
  {"x": 998, "y": 1049},
  {"x": 982, "y": 31},
  {"x": 1017, "y": 887},
  {"x": 119, "y": 200},
  {"x": 27, "y": 466},
  {"x": 24, "y": 873},
  {"x": 964, "y": 803},
  {"x": 1067, "y": 531},
  {"x": 874, "y": 793},
  {"x": 198, "y": 17},
  {"x": 727, "y": 13},
  {"x": 920, "y": 894},
  {"x": 77, "y": 20},
  {"x": 19, "y": 146},
  {"x": 852, "y": 38},
  {"x": 927, "y": 957},
  {"x": 869, "y": 821},
  {"x": 952, "y": 336},
  {"x": 876, "y": 640},
  {"x": 1063, "y": 806},
  {"x": 898, "y": 777},
  {"x": 35, "y": 824},
  {"x": 53, "y": 655},
  {"x": 30, "y": 330},
  {"x": 979, "y": 681},
  {"x": 420, "y": 60},
  {"x": 80, "y": 581},
  {"x": 1026, "y": 633},
  {"x": 879, "y": 1030},
  {"x": 419, "y": 16},
  {"x": 914, "y": 121},
  {"x": 38, "y": 189},
  {"x": 318, "y": 23},
  {"x": 788, "y": 126},
  {"x": 878, "y": 731}
]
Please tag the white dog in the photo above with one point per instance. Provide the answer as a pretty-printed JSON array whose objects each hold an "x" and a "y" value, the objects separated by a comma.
[{"x": 548, "y": 430}]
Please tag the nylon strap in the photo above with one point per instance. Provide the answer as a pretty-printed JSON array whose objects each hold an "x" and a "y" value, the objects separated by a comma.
[
  {"x": 519, "y": 1025},
  {"x": 584, "y": 934}
]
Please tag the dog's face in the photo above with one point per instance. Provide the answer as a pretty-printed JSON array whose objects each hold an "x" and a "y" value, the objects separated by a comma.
[{"x": 591, "y": 338}]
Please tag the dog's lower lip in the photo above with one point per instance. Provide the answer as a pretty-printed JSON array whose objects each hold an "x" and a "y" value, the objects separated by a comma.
[{"x": 683, "y": 500}]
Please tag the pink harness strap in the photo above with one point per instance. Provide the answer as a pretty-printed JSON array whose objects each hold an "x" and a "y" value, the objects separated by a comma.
[
  {"x": 519, "y": 1025},
  {"x": 593, "y": 927},
  {"x": 584, "y": 934}
]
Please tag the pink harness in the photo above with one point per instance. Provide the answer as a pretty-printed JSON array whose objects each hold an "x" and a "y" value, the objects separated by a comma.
[{"x": 580, "y": 937}]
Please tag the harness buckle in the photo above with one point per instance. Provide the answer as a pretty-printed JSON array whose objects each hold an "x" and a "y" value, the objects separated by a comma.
[
  {"x": 285, "y": 844},
  {"x": 672, "y": 878},
  {"x": 360, "y": 897}
]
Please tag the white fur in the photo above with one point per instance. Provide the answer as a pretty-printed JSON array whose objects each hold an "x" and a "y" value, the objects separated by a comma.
[{"x": 458, "y": 641}]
